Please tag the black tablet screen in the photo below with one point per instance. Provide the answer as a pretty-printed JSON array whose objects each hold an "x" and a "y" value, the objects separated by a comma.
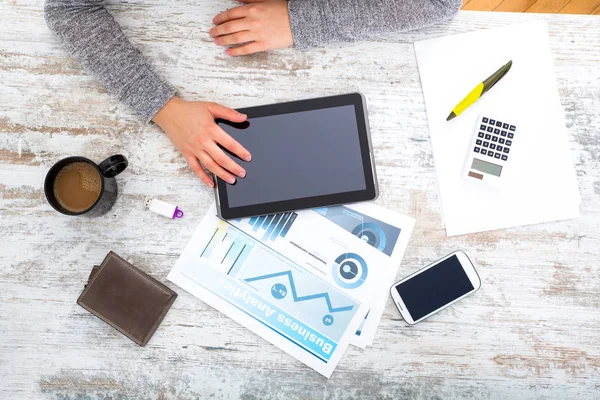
[{"x": 298, "y": 155}]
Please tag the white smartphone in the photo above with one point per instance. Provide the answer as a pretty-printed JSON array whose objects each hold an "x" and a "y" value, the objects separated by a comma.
[{"x": 435, "y": 287}]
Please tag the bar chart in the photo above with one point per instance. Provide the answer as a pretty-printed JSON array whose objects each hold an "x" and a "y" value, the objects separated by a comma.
[
  {"x": 228, "y": 248},
  {"x": 274, "y": 226}
]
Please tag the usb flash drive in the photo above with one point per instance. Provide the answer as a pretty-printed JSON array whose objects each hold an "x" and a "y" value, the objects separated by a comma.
[{"x": 164, "y": 209}]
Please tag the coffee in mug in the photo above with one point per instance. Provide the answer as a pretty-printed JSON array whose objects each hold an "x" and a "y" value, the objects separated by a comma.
[{"x": 77, "y": 186}]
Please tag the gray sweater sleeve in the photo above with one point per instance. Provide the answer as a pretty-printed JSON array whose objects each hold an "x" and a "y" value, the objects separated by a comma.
[
  {"x": 89, "y": 32},
  {"x": 316, "y": 22}
]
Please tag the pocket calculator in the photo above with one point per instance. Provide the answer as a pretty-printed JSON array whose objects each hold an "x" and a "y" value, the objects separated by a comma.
[{"x": 490, "y": 150}]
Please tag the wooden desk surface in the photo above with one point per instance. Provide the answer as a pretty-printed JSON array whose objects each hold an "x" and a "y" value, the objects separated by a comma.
[{"x": 531, "y": 332}]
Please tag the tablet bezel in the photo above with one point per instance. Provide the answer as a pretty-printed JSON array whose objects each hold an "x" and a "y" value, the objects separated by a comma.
[{"x": 369, "y": 193}]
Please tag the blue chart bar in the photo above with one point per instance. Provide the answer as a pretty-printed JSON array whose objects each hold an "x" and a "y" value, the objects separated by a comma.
[
  {"x": 279, "y": 226},
  {"x": 273, "y": 225},
  {"x": 258, "y": 223},
  {"x": 276, "y": 219},
  {"x": 240, "y": 259},
  {"x": 288, "y": 224},
  {"x": 267, "y": 221}
]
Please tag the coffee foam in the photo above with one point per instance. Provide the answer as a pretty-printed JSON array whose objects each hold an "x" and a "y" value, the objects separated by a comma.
[{"x": 88, "y": 175}]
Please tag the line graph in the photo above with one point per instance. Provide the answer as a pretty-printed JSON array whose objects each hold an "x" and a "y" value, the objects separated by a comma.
[{"x": 279, "y": 291}]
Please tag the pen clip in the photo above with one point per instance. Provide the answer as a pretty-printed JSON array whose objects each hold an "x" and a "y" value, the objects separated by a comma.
[{"x": 496, "y": 76}]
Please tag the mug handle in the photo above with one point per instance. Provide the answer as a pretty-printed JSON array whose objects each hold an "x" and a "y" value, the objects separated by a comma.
[{"x": 113, "y": 165}]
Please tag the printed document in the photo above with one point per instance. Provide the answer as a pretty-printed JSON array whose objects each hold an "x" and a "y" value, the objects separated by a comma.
[{"x": 302, "y": 280}]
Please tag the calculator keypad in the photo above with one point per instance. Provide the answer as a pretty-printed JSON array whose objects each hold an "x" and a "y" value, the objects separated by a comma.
[{"x": 494, "y": 135}]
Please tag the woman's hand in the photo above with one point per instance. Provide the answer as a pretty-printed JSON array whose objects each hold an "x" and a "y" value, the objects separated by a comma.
[
  {"x": 258, "y": 25},
  {"x": 191, "y": 127}
]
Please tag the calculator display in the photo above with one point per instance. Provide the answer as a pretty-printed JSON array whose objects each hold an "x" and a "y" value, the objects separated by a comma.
[{"x": 487, "y": 167}]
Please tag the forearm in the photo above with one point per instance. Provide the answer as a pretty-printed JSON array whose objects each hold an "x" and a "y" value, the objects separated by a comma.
[
  {"x": 316, "y": 22},
  {"x": 89, "y": 32}
]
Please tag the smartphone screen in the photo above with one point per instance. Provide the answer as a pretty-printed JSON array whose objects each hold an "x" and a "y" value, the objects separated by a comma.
[{"x": 435, "y": 287}]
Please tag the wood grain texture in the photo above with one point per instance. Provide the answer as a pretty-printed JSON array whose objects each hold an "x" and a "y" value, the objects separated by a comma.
[
  {"x": 579, "y": 7},
  {"x": 514, "y": 5},
  {"x": 531, "y": 332},
  {"x": 481, "y": 5},
  {"x": 534, "y": 6},
  {"x": 547, "y": 6}
]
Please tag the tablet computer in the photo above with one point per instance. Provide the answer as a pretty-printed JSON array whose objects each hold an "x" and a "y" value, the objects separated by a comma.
[{"x": 305, "y": 154}]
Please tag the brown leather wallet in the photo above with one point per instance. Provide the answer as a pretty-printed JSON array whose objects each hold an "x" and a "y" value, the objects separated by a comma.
[{"x": 126, "y": 298}]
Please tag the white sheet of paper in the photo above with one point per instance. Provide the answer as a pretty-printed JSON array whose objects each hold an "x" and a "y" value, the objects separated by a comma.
[
  {"x": 541, "y": 181},
  {"x": 296, "y": 279}
]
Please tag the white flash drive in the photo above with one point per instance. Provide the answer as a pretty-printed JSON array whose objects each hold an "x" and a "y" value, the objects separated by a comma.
[{"x": 164, "y": 209}]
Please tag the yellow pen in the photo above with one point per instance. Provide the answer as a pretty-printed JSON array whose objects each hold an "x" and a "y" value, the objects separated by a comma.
[{"x": 479, "y": 90}]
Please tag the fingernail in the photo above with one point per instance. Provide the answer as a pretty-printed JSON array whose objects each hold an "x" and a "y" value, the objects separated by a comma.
[
  {"x": 248, "y": 158},
  {"x": 211, "y": 32},
  {"x": 217, "y": 42},
  {"x": 228, "y": 52},
  {"x": 231, "y": 180},
  {"x": 242, "y": 115},
  {"x": 242, "y": 174}
]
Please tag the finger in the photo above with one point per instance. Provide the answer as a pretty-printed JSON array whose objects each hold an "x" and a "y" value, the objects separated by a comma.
[
  {"x": 230, "y": 27},
  {"x": 251, "y": 1},
  {"x": 231, "y": 14},
  {"x": 249, "y": 48},
  {"x": 219, "y": 111},
  {"x": 232, "y": 145},
  {"x": 235, "y": 38},
  {"x": 199, "y": 171},
  {"x": 224, "y": 160},
  {"x": 215, "y": 168}
]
